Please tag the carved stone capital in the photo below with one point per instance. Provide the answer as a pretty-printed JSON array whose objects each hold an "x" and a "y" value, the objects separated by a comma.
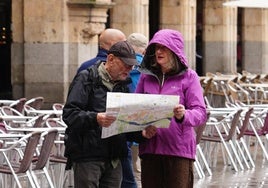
[
  {"x": 90, "y": 30},
  {"x": 91, "y": 14}
]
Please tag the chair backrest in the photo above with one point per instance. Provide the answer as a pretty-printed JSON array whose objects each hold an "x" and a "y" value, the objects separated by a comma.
[
  {"x": 19, "y": 104},
  {"x": 199, "y": 132},
  {"x": 2, "y": 128},
  {"x": 7, "y": 110},
  {"x": 51, "y": 122},
  {"x": 208, "y": 83},
  {"x": 245, "y": 123},
  {"x": 39, "y": 121},
  {"x": 29, "y": 152},
  {"x": 200, "y": 129},
  {"x": 57, "y": 106},
  {"x": 265, "y": 124},
  {"x": 46, "y": 148},
  {"x": 234, "y": 124},
  {"x": 35, "y": 102}
]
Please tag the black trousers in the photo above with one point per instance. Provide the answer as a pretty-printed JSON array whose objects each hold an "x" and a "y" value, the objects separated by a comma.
[
  {"x": 160, "y": 171},
  {"x": 97, "y": 174}
]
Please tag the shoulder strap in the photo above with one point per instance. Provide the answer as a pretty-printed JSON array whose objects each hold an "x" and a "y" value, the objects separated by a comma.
[{"x": 93, "y": 76}]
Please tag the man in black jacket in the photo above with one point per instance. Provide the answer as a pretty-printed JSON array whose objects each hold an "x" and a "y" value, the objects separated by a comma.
[{"x": 96, "y": 161}]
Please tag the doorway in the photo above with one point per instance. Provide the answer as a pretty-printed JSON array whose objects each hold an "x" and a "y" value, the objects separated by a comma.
[
  {"x": 154, "y": 16},
  {"x": 199, "y": 38},
  {"x": 239, "y": 47},
  {"x": 5, "y": 50}
]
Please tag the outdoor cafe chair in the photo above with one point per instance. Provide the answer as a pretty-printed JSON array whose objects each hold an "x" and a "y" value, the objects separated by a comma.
[
  {"x": 200, "y": 159},
  {"x": 244, "y": 151},
  {"x": 224, "y": 132},
  {"x": 9, "y": 111},
  {"x": 19, "y": 167},
  {"x": 36, "y": 102},
  {"x": 19, "y": 104},
  {"x": 259, "y": 129},
  {"x": 33, "y": 104},
  {"x": 41, "y": 161},
  {"x": 57, "y": 159}
]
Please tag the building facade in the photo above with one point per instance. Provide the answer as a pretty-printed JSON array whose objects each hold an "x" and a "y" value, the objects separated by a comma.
[{"x": 51, "y": 38}]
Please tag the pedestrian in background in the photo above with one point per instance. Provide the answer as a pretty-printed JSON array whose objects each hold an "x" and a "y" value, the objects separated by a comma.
[
  {"x": 107, "y": 38},
  {"x": 139, "y": 43},
  {"x": 167, "y": 159}
]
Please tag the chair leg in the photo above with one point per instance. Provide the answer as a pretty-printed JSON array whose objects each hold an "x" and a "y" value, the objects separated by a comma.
[
  {"x": 199, "y": 149},
  {"x": 230, "y": 157},
  {"x": 236, "y": 155},
  {"x": 199, "y": 169},
  {"x": 262, "y": 147},
  {"x": 242, "y": 153},
  {"x": 247, "y": 152},
  {"x": 51, "y": 185},
  {"x": 28, "y": 173},
  {"x": 48, "y": 177},
  {"x": 58, "y": 169}
]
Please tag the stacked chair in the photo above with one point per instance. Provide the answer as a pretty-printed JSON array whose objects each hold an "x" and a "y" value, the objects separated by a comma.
[{"x": 31, "y": 145}]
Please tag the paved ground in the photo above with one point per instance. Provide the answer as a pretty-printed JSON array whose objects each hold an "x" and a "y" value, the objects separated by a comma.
[{"x": 225, "y": 177}]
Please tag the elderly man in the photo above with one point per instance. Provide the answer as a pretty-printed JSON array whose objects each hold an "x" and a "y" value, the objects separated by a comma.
[{"x": 96, "y": 161}]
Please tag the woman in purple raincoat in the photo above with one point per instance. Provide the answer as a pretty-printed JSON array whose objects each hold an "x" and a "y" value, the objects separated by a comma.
[{"x": 167, "y": 158}]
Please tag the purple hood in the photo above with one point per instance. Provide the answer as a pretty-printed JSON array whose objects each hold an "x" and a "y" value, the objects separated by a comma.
[{"x": 169, "y": 38}]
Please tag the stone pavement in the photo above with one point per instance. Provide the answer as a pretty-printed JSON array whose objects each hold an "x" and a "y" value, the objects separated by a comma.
[{"x": 223, "y": 176}]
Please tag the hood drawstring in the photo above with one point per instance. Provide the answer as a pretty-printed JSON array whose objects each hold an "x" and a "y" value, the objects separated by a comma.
[{"x": 163, "y": 80}]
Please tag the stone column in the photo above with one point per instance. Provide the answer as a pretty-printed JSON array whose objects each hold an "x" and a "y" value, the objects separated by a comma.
[
  {"x": 219, "y": 34},
  {"x": 255, "y": 37},
  {"x": 130, "y": 16},
  {"x": 181, "y": 15}
]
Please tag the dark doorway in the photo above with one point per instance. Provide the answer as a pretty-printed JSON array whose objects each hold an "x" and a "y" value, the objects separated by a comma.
[
  {"x": 5, "y": 52},
  {"x": 199, "y": 38},
  {"x": 239, "y": 51},
  {"x": 154, "y": 14}
]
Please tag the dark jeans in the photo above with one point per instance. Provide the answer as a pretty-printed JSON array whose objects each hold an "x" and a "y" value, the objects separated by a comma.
[
  {"x": 97, "y": 174},
  {"x": 128, "y": 174}
]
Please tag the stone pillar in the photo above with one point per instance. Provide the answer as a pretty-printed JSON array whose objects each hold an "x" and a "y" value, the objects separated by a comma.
[
  {"x": 181, "y": 15},
  {"x": 255, "y": 38},
  {"x": 130, "y": 16},
  {"x": 219, "y": 34}
]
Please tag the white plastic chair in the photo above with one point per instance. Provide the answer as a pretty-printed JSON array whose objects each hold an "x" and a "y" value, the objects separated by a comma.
[
  {"x": 19, "y": 166},
  {"x": 225, "y": 134}
]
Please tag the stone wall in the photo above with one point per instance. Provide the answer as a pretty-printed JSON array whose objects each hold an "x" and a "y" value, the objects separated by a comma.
[{"x": 255, "y": 37}]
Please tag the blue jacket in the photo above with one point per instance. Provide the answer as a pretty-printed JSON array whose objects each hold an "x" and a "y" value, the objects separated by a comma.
[
  {"x": 179, "y": 139},
  {"x": 135, "y": 74},
  {"x": 102, "y": 55}
]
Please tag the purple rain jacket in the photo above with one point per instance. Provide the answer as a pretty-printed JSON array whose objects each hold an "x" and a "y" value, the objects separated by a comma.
[{"x": 179, "y": 139}]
